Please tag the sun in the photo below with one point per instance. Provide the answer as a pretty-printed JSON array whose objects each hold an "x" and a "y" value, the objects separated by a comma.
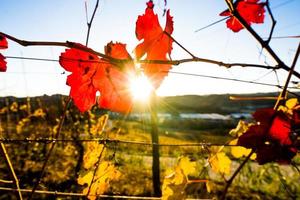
[{"x": 140, "y": 88}]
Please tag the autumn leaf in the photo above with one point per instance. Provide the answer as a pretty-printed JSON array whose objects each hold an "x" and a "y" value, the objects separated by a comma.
[
  {"x": 239, "y": 152},
  {"x": 3, "y": 45},
  {"x": 3, "y": 42},
  {"x": 113, "y": 82},
  {"x": 3, "y": 63},
  {"x": 156, "y": 44},
  {"x": 176, "y": 180},
  {"x": 91, "y": 154},
  {"x": 252, "y": 11},
  {"x": 90, "y": 74},
  {"x": 187, "y": 166},
  {"x": 271, "y": 136},
  {"x": 240, "y": 129},
  {"x": 105, "y": 173},
  {"x": 220, "y": 163}
]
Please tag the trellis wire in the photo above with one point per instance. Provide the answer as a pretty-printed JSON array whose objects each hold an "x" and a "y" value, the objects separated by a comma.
[
  {"x": 111, "y": 141},
  {"x": 56, "y": 193}
]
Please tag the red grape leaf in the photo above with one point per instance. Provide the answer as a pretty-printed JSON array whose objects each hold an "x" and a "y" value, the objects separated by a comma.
[
  {"x": 83, "y": 68},
  {"x": 113, "y": 83},
  {"x": 280, "y": 129},
  {"x": 275, "y": 152},
  {"x": 3, "y": 45},
  {"x": 91, "y": 74},
  {"x": 2, "y": 63},
  {"x": 256, "y": 134},
  {"x": 156, "y": 44},
  {"x": 270, "y": 137},
  {"x": 250, "y": 10}
]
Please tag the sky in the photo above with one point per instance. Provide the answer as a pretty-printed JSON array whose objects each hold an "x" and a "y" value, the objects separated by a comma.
[{"x": 65, "y": 20}]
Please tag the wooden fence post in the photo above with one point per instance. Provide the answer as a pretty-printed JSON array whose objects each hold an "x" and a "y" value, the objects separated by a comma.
[{"x": 155, "y": 146}]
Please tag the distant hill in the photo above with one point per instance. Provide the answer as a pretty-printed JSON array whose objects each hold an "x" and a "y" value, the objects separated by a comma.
[
  {"x": 220, "y": 103},
  {"x": 214, "y": 103}
]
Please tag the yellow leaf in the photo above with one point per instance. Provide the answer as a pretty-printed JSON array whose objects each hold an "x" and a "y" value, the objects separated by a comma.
[
  {"x": 239, "y": 151},
  {"x": 14, "y": 107},
  {"x": 176, "y": 180},
  {"x": 91, "y": 154},
  {"x": 38, "y": 113},
  {"x": 209, "y": 186},
  {"x": 187, "y": 166},
  {"x": 291, "y": 103},
  {"x": 23, "y": 107},
  {"x": 220, "y": 163},
  {"x": 240, "y": 129},
  {"x": 104, "y": 174},
  {"x": 98, "y": 128}
]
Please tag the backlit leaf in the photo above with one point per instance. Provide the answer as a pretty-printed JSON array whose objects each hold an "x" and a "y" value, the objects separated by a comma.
[
  {"x": 3, "y": 63},
  {"x": 252, "y": 11},
  {"x": 187, "y": 166},
  {"x": 220, "y": 163},
  {"x": 241, "y": 128},
  {"x": 3, "y": 42},
  {"x": 175, "y": 181},
  {"x": 106, "y": 172},
  {"x": 156, "y": 44},
  {"x": 90, "y": 74}
]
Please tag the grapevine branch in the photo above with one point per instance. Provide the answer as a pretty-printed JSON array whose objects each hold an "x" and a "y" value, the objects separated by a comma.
[
  {"x": 171, "y": 72},
  {"x": 264, "y": 44},
  {"x": 51, "y": 148},
  {"x": 283, "y": 94},
  {"x": 273, "y": 21},
  {"x": 124, "y": 61},
  {"x": 89, "y": 24},
  {"x": 229, "y": 182}
]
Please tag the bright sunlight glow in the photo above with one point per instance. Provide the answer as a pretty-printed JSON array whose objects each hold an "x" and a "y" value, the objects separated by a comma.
[{"x": 140, "y": 88}]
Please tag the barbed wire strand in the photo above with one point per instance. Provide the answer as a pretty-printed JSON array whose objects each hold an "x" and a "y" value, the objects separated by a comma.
[{"x": 56, "y": 193}]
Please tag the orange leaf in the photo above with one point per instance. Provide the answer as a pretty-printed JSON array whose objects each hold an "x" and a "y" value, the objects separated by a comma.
[
  {"x": 156, "y": 44},
  {"x": 91, "y": 74},
  {"x": 3, "y": 66},
  {"x": 3, "y": 45}
]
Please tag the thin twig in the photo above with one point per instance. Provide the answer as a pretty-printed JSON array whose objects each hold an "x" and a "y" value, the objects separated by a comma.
[
  {"x": 263, "y": 43},
  {"x": 283, "y": 94},
  {"x": 89, "y": 24},
  {"x": 51, "y": 148},
  {"x": 11, "y": 169},
  {"x": 6, "y": 181},
  {"x": 211, "y": 24},
  {"x": 181, "y": 46},
  {"x": 96, "y": 169},
  {"x": 273, "y": 21},
  {"x": 229, "y": 182}
]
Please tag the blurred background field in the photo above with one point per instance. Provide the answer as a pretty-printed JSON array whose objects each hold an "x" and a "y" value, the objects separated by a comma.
[{"x": 27, "y": 126}]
